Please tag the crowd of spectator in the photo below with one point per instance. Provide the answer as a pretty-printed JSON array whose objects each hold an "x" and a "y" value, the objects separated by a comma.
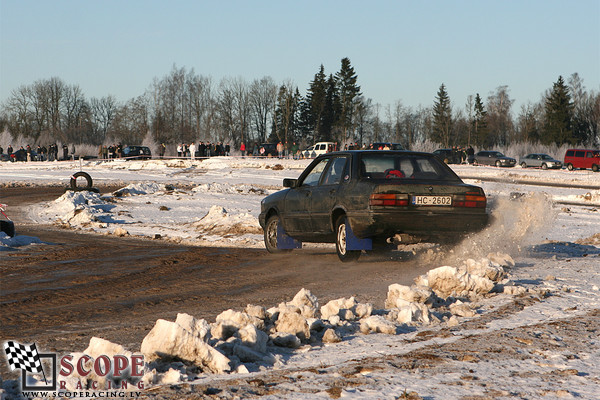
[{"x": 40, "y": 153}]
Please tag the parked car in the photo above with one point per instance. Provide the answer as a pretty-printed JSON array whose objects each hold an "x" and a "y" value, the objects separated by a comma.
[
  {"x": 319, "y": 148},
  {"x": 386, "y": 146},
  {"x": 582, "y": 158},
  {"x": 137, "y": 153},
  {"x": 540, "y": 160},
  {"x": 449, "y": 156},
  {"x": 494, "y": 158},
  {"x": 361, "y": 199}
]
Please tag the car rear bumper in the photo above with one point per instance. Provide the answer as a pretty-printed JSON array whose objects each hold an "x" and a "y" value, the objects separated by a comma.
[{"x": 426, "y": 223}]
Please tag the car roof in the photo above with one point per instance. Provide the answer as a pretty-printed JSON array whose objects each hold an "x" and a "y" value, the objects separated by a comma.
[{"x": 380, "y": 152}]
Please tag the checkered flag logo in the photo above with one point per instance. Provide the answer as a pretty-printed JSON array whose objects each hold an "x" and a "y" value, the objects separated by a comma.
[{"x": 21, "y": 356}]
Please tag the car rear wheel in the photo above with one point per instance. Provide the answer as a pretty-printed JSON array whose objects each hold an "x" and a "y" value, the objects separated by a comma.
[
  {"x": 341, "y": 244},
  {"x": 570, "y": 167},
  {"x": 595, "y": 168},
  {"x": 544, "y": 166},
  {"x": 271, "y": 235},
  {"x": 498, "y": 164}
]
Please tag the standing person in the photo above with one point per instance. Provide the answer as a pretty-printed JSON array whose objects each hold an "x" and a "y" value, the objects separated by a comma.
[
  {"x": 227, "y": 149},
  {"x": 9, "y": 150},
  {"x": 73, "y": 151},
  {"x": 192, "y": 151},
  {"x": 1, "y": 150},
  {"x": 280, "y": 150},
  {"x": 202, "y": 149},
  {"x": 55, "y": 152},
  {"x": 243, "y": 149},
  {"x": 65, "y": 150},
  {"x": 294, "y": 150},
  {"x": 470, "y": 155},
  {"x": 179, "y": 149},
  {"x": 161, "y": 150}
]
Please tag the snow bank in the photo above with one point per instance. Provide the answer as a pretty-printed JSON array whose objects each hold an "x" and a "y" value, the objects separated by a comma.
[
  {"x": 8, "y": 243},
  {"x": 257, "y": 338}
]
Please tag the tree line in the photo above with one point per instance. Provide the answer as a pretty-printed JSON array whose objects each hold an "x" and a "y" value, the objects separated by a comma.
[{"x": 184, "y": 107}]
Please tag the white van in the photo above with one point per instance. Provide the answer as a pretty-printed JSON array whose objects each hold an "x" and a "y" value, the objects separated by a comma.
[{"x": 319, "y": 148}]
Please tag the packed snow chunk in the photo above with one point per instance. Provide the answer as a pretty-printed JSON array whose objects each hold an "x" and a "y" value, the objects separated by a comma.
[
  {"x": 283, "y": 339},
  {"x": 256, "y": 311},
  {"x": 196, "y": 327},
  {"x": 99, "y": 346},
  {"x": 306, "y": 302},
  {"x": 449, "y": 281},
  {"x": 331, "y": 336},
  {"x": 291, "y": 322},
  {"x": 120, "y": 232},
  {"x": 502, "y": 259},
  {"x": 240, "y": 319},
  {"x": 401, "y": 295},
  {"x": 229, "y": 189},
  {"x": 461, "y": 309},
  {"x": 219, "y": 222},
  {"x": 377, "y": 324},
  {"x": 136, "y": 189},
  {"x": 485, "y": 268},
  {"x": 169, "y": 340},
  {"x": 334, "y": 307},
  {"x": 412, "y": 313},
  {"x": 171, "y": 377},
  {"x": 253, "y": 338}
]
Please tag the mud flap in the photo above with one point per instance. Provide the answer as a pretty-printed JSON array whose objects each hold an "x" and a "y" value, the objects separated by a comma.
[
  {"x": 354, "y": 243},
  {"x": 285, "y": 242}
]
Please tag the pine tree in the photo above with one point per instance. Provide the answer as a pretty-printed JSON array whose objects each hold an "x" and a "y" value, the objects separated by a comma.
[
  {"x": 442, "y": 117},
  {"x": 315, "y": 103},
  {"x": 559, "y": 114},
  {"x": 479, "y": 122},
  {"x": 348, "y": 92},
  {"x": 330, "y": 111}
]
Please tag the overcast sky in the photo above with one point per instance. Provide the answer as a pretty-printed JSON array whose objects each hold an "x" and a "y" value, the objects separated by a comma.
[{"x": 401, "y": 50}]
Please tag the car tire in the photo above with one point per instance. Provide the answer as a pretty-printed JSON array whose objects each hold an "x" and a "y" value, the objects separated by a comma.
[
  {"x": 81, "y": 174},
  {"x": 523, "y": 165},
  {"x": 570, "y": 167},
  {"x": 7, "y": 227},
  {"x": 343, "y": 253},
  {"x": 498, "y": 164},
  {"x": 544, "y": 166},
  {"x": 270, "y": 235},
  {"x": 595, "y": 167}
]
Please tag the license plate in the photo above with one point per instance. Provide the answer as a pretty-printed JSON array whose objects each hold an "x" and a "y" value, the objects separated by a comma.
[{"x": 432, "y": 200}]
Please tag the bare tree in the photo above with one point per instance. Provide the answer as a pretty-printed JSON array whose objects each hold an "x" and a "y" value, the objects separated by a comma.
[
  {"x": 499, "y": 120},
  {"x": 263, "y": 95},
  {"x": 103, "y": 113}
]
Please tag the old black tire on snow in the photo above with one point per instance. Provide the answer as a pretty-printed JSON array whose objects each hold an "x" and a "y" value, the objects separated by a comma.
[
  {"x": 7, "y": 227},
  {"x": 343, "y": 253},
  {"x": 84, "y": 175}
]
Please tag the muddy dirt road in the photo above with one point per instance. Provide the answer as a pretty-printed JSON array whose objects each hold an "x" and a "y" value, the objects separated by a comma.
[{"x": 61, "y": 294}]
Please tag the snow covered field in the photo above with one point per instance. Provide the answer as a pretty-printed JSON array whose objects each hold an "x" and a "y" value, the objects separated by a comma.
[{"x": 542, "y": 250}]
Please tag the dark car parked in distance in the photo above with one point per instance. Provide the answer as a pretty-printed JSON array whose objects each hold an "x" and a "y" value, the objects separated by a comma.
[
  {"x": 449, "y": 156},
  {"x": 540, "y": 160},
  {"x": 363, "y": 198},
  {"x": 494, "y": 158},
  {"x": 137, "y": 153}
]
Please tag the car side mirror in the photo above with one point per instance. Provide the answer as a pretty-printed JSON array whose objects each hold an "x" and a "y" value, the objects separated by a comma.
[{"x": 290, "y": 183}]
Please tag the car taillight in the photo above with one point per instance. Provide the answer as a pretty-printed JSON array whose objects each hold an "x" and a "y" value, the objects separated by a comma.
[
  {"x": 388, "y": 199},
  {"x": 470, "y": 200}
]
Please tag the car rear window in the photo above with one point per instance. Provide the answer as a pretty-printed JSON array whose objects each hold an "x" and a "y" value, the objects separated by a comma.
[{"x": 404, "y": 166}]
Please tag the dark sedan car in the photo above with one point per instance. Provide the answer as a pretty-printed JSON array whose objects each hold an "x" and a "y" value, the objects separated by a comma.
[
  {"x": 137, "y": 153},
  {"x": 543, "y": 161},
  {"x": 494, "y": 158},
  {"x": 361, "y": 199}
]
